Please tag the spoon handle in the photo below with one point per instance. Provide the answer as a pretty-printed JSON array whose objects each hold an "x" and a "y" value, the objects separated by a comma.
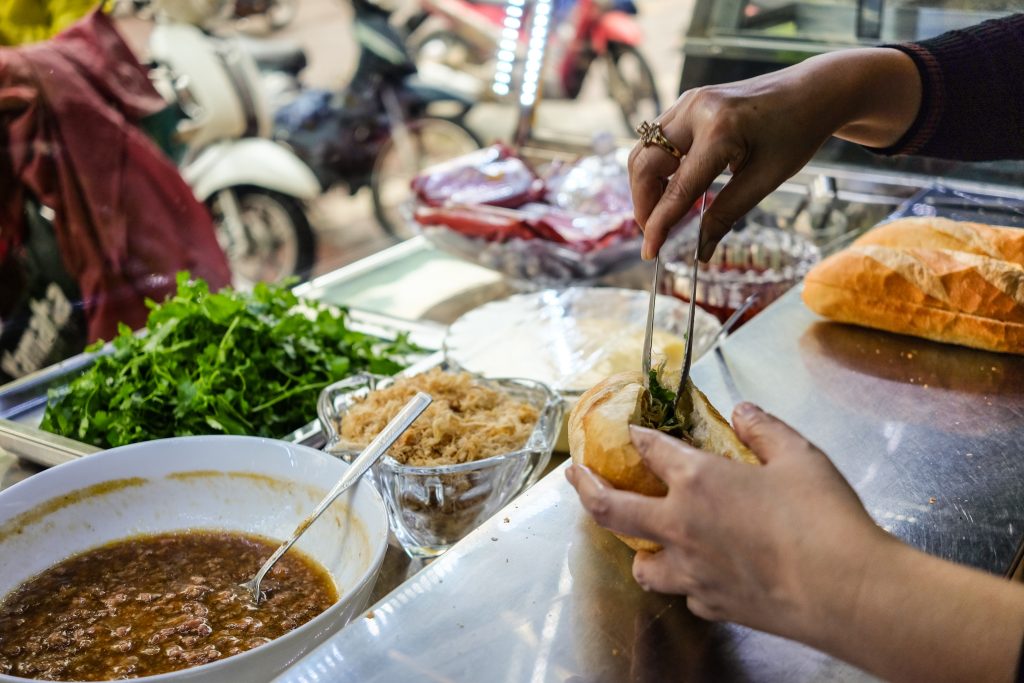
[{"x": 376, "y": 448}]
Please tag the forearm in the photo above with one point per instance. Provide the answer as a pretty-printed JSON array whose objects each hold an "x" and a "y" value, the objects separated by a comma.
[
  {"x": 972, "y": 102},
  {"x": 918, "y": 618},
  {"x": 874, "y": 92}
]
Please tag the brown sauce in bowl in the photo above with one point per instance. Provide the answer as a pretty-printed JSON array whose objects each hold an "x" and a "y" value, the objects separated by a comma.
[{"x": 153, "y": 604}]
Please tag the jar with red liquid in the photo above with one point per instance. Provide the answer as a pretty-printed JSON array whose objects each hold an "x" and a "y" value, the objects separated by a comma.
[{"x": 751, "y": 259}]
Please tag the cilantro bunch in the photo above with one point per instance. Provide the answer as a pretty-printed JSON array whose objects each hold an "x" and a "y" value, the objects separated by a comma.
[{"x": 216, "y": 363}]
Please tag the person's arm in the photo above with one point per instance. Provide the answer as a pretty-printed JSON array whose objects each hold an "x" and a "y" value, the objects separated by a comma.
[
  {"x": 764, "y": 130},
  {"x": 788, "y": 548},
  {"x": 972, "y": 106}
]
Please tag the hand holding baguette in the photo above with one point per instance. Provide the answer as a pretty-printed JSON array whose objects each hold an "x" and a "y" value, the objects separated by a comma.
[
  {"x": 599, "y": 437},
  {"x": 787, "y": 548}
]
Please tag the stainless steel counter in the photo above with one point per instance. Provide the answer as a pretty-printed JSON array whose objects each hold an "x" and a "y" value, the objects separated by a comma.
[{"x": 931, "y": 437}]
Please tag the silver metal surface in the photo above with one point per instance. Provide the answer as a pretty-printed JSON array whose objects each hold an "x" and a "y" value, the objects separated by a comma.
[
  {"x": 731, "y": 321},
  {"x": 373, "y": 451},
  {"x": 688, "y": 356},
  {"x": 929, "y": 435},
  {"x": 41, "y": 448}
]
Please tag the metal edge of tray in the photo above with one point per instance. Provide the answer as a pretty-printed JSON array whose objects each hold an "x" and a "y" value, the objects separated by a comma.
[
  {"x": 39, "y": 447},
  {"x": 28, "y": 393}
]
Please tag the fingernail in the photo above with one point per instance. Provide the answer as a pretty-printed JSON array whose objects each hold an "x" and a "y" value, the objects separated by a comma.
[
  {"x": 707, "y": 250},
  {"x": 570, "y": 474},
  {"x": 645, "y": 253},
  {"x": 590, "y": 475},
  {"x": 639, "y": 437},
  {"x": 746, "y": 410}
]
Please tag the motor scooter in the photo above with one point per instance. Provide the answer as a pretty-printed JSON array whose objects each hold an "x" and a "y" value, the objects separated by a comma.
[
  {"x": 382, "y": 129},
  {"x": 463, "y": 36},
  {"x": 255, "y": 188}
]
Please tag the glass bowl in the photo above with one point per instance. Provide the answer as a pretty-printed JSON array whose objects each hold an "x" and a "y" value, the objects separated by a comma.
[
  {"x": 431, "y": 508},
  {"x": 758, "y": 259}
]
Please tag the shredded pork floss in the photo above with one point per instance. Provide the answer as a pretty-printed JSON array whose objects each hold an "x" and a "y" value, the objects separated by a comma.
[{"x": 467, "y": 421}]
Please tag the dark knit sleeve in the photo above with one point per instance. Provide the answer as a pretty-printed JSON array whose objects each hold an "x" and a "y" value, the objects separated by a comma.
[{"x": 972, "y": 99}]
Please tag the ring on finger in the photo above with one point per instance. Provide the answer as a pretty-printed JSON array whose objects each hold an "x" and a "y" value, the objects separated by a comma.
[{"x": 651, "y": 134}]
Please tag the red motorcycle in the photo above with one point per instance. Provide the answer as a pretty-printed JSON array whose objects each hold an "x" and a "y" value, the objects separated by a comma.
[{"x": 463, "y": 35}]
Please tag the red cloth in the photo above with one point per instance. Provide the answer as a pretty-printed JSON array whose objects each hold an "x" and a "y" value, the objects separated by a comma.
[{"x": 125, "y": 220}]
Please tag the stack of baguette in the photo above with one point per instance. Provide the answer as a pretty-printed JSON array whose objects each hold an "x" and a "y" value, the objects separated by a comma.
[{"x": 949, "y": 281}]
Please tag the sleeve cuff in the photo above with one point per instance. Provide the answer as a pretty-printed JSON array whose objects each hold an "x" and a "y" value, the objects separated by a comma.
[{"x": 932, "y": 98}]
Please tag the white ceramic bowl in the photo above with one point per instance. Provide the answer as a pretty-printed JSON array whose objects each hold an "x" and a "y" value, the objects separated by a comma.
[{"x": 229, "y": 483}]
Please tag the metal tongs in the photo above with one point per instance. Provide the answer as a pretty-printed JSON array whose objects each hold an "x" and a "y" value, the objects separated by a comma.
[{"x": 649, "y": 330}]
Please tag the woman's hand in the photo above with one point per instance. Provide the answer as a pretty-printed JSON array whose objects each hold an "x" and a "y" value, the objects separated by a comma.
[
  {"x": 764, "y": 130},
  {"x": 769, "y": 547},
  {"x": 787, "y": 548}
]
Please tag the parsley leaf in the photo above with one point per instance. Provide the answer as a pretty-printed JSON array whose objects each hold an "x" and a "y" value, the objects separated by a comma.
[{"x": 217, "y": 363}]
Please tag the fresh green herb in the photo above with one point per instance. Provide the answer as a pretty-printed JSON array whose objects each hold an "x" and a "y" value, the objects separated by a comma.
[
  {"x": 217, "y": 363},
  {"x": 658, "y": 410}
]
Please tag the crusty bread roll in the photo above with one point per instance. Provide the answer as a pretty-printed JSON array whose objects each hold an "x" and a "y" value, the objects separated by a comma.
[
  {"x": 943, "y": 295},
  {"x": 1003, "y": 244},
  {"x": 599, "y": 437}
]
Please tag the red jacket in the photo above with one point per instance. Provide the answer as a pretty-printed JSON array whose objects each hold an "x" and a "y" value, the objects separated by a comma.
[{"x": 125, "y": 220}]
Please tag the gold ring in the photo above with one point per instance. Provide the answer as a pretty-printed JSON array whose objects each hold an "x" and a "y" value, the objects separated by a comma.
[{"x": 650, "y": 134}]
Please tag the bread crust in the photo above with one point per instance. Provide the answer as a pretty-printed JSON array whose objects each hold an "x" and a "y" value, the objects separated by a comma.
[
  {"x": 946, "y": 296},
  {"x": 933, "y": 232},
  {"x": 599, "y": 438}
]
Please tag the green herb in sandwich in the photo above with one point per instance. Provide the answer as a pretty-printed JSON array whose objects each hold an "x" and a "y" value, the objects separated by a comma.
[
  {"x": 658, "y": 408},
  {"x": 217, "y": 363}
]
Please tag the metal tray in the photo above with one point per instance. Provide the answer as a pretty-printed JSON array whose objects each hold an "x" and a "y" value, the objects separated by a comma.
[{"x": 23, "y": 401}]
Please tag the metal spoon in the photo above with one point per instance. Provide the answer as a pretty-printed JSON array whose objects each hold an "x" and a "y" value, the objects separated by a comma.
[{"x": 380, "y": 444}]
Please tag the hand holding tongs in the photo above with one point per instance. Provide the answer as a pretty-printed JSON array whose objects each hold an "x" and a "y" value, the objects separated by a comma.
[{"x": 649, "y": 330}]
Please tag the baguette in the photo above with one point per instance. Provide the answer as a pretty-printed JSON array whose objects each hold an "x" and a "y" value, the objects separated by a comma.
[
  {"x": 599, "y": 437},
  {"x": 1004, "y": 244},
  {"x": 943, "y": 295}
]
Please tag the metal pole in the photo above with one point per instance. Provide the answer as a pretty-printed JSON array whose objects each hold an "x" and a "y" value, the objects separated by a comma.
[{"x": 531, "y": 81}]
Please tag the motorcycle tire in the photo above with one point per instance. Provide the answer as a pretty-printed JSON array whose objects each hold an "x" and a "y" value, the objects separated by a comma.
[
  {"x": 631, "y": 84},
  {"x": 277, "y": 243},
  {"x": 435, "y": 139}
]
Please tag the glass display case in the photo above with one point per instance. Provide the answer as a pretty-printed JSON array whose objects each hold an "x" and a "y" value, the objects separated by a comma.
[{"x": 730, "y": 40}]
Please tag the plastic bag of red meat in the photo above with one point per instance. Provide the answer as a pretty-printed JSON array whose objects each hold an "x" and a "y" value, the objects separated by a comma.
[
  {"x": 597, "y": 184},
  {"x": 537, "y": 242},
  {"x": 493, "y": 175},
  {"x": 577, "y": 227}
]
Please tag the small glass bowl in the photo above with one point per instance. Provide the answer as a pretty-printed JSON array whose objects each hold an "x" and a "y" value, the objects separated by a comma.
[
  {"x": 758, "y": 259},
  {"x": 431, "y": 508}
]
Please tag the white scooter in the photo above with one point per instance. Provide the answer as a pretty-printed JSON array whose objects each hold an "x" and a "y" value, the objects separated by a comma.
[{"x": 255, "y": 187}]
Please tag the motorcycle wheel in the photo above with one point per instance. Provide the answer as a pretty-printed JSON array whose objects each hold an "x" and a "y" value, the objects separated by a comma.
[
  {"x": 273, "y": 240},
  {"x": 432, "y": 140},
  {"x": 631, "y": 84}
]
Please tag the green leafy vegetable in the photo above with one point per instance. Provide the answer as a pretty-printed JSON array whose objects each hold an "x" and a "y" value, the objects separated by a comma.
[
  {"x": 658, "y": 409},
  {"x": 217, "y": 363}
]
